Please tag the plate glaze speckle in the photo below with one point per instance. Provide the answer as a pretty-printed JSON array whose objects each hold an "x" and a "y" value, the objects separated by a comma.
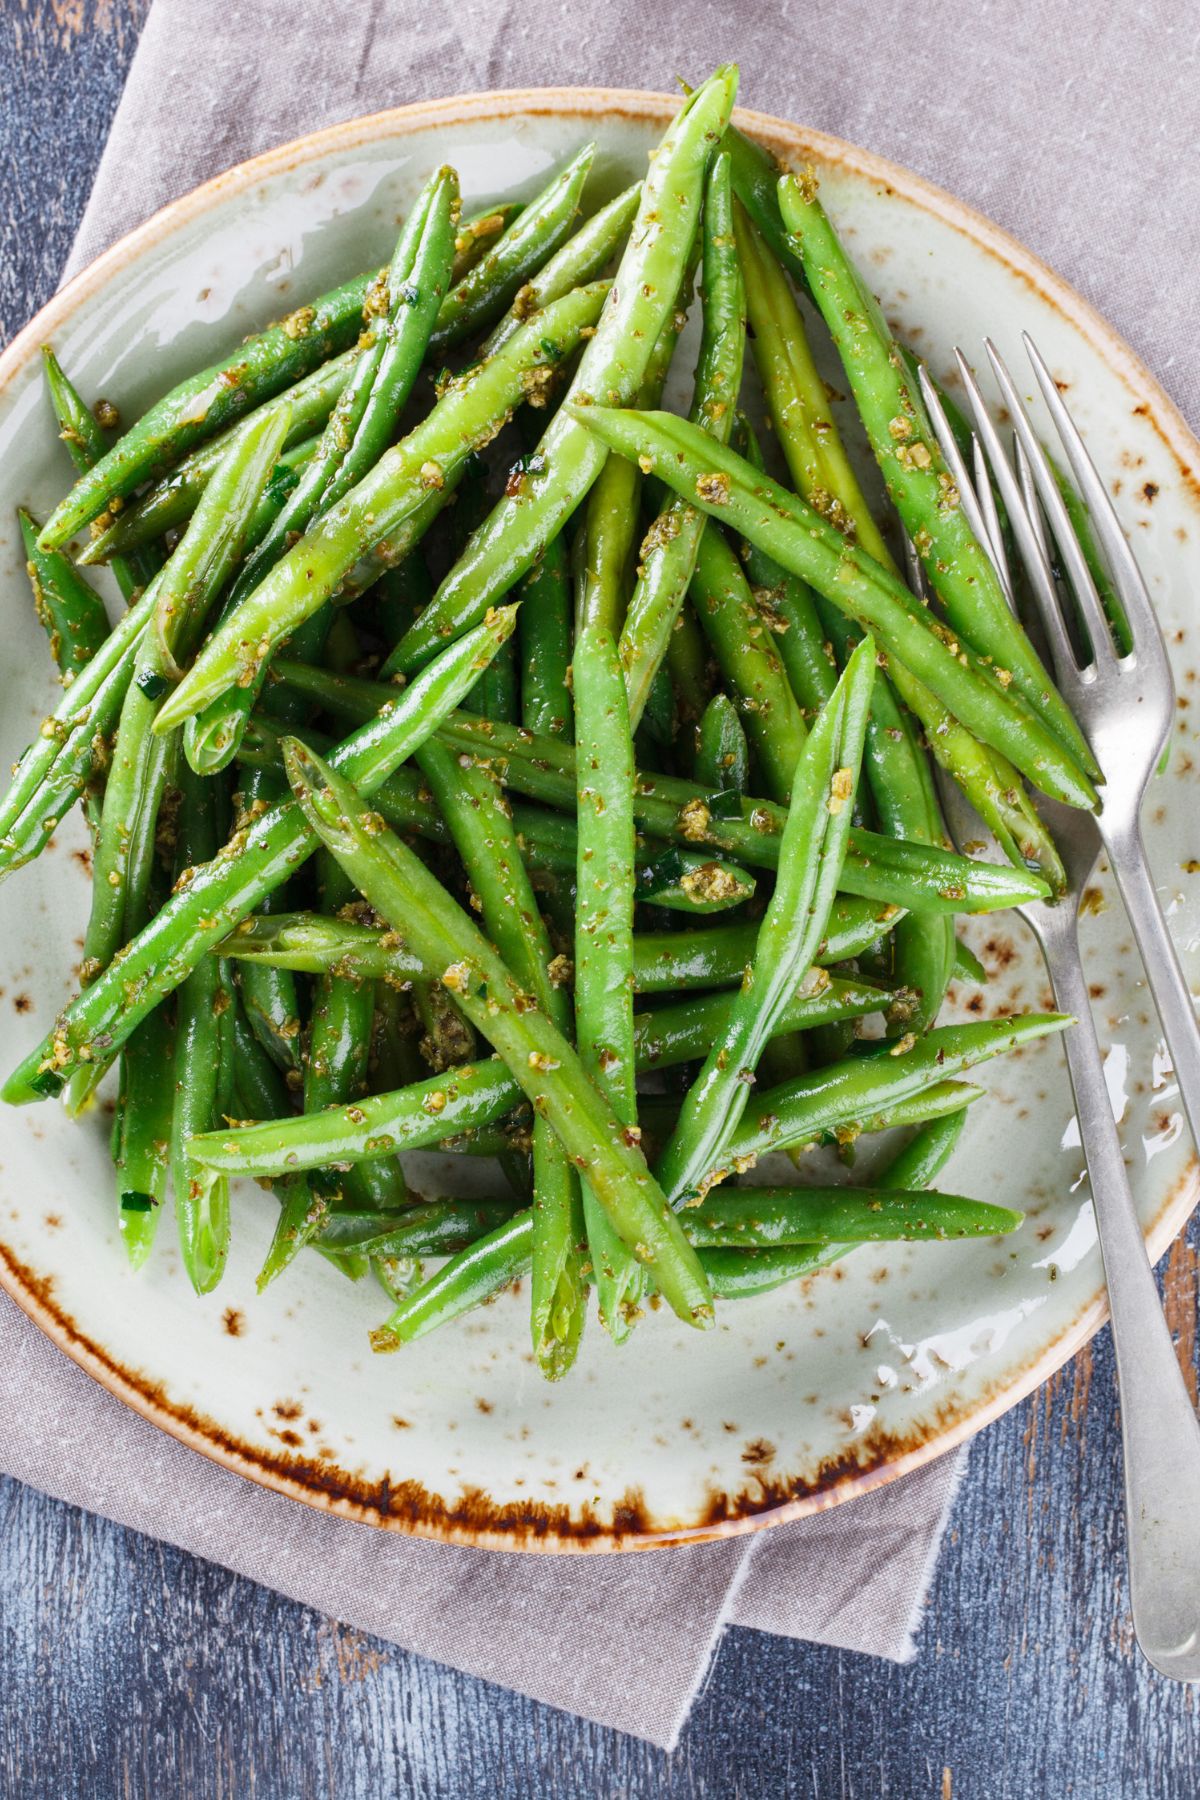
[{"x": 796, "y": 1400}]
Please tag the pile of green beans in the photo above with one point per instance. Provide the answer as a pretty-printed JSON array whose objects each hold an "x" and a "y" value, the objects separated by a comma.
[{"x": 386, "y": 864}]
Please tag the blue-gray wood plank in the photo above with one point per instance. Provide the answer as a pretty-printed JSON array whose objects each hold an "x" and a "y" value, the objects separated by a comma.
[{"x": 130, "y": 1669}]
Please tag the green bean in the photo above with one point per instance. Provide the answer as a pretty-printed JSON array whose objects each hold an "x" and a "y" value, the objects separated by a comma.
[
  {"x": 967, "y": 965},
  {"x": 811, "y": 851},
  {"x": 485, "y": 1267},
  {"x": 205, "y": 403},
  {"x": 584, "y": 257},
  {"x": 788, "y": 529},
  {"x": 84, "y": 437},
  {"x": 429, "y": 1228},
  {"x": 756, "y": 173},
  {"x": 269, "y": 997},
  {"x": 923, "y": 876},
  {"x": 927, "y": 1152},
  {"x": 259, "y": 1086},
  {"x": 761, "y": 1218},
  {"x": 398, "y": 885},
  {"x": 544, "y": 629},
  {"x": 782, "y": 1116},
  {"x": 749, "y": 661},
  {"x": 605, "y": 891},
  {"x": 613, "y": 365},
  {"x": 401, "y": 593},
  {"x": 538, "y": 230},
  {"x": 137, "y": 773},
  {"x": 744, "y": 1274},
  {"x": 722, "y": 753},
  {"x": 171, "y": 502},
  {"x": 201, "y": 1195},
  {"x": 719, "y": 957},
  {"x": 668, "y": 552},
  {"x": 255, "y": 862},
  {"x": 959, "y": 569},
  {"x": 475, "y": 235},
  {"x": 384, "y": 508},
  {"x": 70, "y": 610},
  {"x": 473, "y": 806},
  {"x": 143, "y": 1158},
  {"x": 683, "y": 881}
]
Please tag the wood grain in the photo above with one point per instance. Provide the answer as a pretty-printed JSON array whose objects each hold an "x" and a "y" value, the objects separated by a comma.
[{"x": 130, "y": 1669}]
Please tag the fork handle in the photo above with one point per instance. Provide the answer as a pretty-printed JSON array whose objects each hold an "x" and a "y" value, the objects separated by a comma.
[
  {"x": 1168, "y": 984},
  {"x": 1159, "y": 1429}
]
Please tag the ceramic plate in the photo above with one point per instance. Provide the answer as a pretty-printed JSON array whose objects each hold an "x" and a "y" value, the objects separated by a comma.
[{"x": 798, "y": 1399}]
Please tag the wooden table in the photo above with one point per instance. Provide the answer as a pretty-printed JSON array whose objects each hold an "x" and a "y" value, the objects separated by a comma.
[{"x": 130, "y": 1669}]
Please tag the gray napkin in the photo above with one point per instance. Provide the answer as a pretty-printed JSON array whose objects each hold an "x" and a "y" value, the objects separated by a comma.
[{"x": 999, "y": 103}]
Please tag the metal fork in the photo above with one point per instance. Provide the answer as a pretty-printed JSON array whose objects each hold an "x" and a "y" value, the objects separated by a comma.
[{"x": 1125, "y": 707}]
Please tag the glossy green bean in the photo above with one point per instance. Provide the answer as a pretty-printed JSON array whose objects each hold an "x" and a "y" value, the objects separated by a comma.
[
  {"x": 201, "y": 1195},
  {"x": 722, "y": 762},
  {"x": 483, "y": 1269},
  {"x": 428, "y": 1228},
  {"x": 544, "y": 631},
  {"x": 719, "y": 956},
  {"x": 861, "y": 1084},
  {"x": 70, "y": 610},
  {"x": 613, "y": 364},
  {"x": 604, "y": 909},
  {"x": 474, "y": 236},
  {"x": 220, "y": 894},
  {"x": 143, "y": 1156},
  {"x": 84, "y": 437},
  {"x": 727, "y": 487},
  {"x": 548, "y": 1069},
  {"x": 376, "y": 518},
  {"x": 761, "y": 1218},
  {"x": 269, "y": 995}
]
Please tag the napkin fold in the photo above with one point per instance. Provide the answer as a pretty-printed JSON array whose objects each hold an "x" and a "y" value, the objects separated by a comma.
[{"x": 622, "y": 1640}]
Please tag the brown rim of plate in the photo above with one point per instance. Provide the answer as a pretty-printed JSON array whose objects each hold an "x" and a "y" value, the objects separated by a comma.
[{"x": 474, "y": 1519}]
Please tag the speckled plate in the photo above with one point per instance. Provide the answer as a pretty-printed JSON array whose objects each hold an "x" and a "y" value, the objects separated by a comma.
[{"x": 796, "y": 1400}]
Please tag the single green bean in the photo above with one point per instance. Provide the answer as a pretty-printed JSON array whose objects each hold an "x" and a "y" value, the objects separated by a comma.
[
  {"x": 864, "y": 1084},
  {"x": 475, "y": 235},
  {"x": 483, "y": 1269},
  {"x": 83, "y": 434},
  {"x": 544, "y": 629},
  {"x": 201, "y": 1194},
  {"x": 70, "y": 610},
  {"x": 761, "y": 1218},
  {"x": 722, "y": 754}
]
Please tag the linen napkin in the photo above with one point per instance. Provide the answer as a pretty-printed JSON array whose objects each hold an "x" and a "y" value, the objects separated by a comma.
[{"x": 626, "y": 1640}]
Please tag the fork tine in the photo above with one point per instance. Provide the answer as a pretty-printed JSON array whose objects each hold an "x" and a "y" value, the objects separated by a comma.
[
  {"x": 1095, "y": 619},
  {"x": 1105, "y": 523},
  {"x": 1029, "y": 542},
  {"x": 948, "y": 444},
  {"x": 987, "y": 505}
]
